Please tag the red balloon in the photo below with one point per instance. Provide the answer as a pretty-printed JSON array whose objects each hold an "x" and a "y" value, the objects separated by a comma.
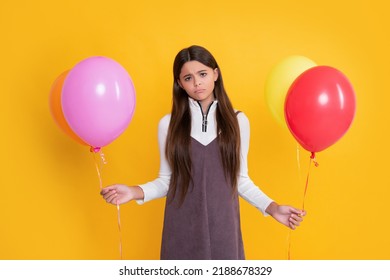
[{"x": 319, "y": 108}]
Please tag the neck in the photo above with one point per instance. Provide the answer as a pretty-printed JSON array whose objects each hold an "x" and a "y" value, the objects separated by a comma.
[{"x": 206, "y": 104}]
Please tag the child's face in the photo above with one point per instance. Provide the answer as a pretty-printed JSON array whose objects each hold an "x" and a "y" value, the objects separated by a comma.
[{"x": 198, "y": 80}]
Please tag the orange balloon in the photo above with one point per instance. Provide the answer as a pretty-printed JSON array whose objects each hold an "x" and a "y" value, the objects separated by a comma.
[{"x": 56, "y": 108}]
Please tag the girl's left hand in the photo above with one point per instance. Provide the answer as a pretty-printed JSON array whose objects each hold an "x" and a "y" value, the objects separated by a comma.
[{"x": 286, "y": 215}]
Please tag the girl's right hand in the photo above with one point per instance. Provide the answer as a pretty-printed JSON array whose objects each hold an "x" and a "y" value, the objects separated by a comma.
[{"x": 119, "y": 194}]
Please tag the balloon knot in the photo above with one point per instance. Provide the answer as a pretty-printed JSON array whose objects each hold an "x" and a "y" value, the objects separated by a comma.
[
  {"x": 313, "y": 157},
  {"x": 94, "y": 149}
]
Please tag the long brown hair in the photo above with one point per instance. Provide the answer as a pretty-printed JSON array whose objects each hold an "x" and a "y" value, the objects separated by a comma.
[{"x": 179, "y": 131}]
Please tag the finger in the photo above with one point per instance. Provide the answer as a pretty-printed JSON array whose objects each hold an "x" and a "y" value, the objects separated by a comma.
[
  {"x": 110, "y": 195},
  {"x": 112, "y": 199},
  {"x": 297, "y": 218},
  {"x": 299, "y": 213},
  {"x": 295, "y": 211},
  {"x": 107, "y": 189},
  {"x": 292, "y": 226},
  {"x": 293, "y": 221}
]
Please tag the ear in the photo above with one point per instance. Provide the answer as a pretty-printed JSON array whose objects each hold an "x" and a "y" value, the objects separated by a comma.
[{"x": 216, "y": 74}]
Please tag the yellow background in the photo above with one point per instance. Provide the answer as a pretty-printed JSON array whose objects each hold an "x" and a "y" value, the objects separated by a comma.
[{"x": 50, "y": 206}]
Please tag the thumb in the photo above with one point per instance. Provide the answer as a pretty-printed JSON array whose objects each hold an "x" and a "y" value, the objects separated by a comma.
[
  {"x": 297, "y": 211},
  {"x": 107, "y": 189}
]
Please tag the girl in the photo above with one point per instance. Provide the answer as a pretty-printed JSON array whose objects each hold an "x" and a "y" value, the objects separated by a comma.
[{"x": 203, "y": 144}]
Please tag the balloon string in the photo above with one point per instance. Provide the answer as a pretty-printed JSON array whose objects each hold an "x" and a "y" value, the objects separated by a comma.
[
  {"x": 299, "y": 180},
  {"x": 120, "y": 230},
  {"x": 306, "y": 185},
  {"x": 99, "y": 166},
  {"x": 312, "y": 160}
]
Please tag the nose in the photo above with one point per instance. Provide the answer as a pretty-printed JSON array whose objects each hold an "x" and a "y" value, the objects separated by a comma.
[{"x": 196, "y": 82}]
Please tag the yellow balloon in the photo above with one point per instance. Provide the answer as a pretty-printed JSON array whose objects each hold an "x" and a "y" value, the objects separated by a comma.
[{"x": 279, "y": 80}]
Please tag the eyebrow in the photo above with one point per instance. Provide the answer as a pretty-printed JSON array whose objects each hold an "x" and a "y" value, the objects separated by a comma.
[{"x": 200, "y": 71}]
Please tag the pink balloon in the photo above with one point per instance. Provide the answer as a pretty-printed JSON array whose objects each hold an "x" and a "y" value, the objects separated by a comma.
[
  {"x": 319, "y": 108},
  {"x": 98, "y": 100}
]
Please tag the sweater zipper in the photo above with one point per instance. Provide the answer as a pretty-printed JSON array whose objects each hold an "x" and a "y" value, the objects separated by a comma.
[{"x": 204, "y": 116}]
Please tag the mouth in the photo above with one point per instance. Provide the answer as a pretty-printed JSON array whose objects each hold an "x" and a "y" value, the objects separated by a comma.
[{"x": 199, "y": 90}]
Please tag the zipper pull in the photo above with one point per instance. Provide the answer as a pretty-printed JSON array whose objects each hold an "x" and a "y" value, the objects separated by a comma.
[{"x": 204, "y": 123}]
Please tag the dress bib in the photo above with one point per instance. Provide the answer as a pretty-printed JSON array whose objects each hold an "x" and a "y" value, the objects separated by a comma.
[{"x": 207, "y": 225}]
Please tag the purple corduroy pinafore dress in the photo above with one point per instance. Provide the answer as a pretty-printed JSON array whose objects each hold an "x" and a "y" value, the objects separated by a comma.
[{"x": 207, "y": 225}]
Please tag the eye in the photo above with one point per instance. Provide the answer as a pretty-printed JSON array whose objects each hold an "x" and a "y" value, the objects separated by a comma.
[
  {"x": 187, "y": 78},
  {"x": 203, "y": 74}
]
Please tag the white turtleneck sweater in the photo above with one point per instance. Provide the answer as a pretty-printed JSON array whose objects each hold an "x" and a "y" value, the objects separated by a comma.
[{"x": 246, "y": 188}]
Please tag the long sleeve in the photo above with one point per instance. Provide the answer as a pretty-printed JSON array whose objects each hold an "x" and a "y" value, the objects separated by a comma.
[
  {"x": 159, "y": 187},
  {"x": 246, "y": 188}
]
